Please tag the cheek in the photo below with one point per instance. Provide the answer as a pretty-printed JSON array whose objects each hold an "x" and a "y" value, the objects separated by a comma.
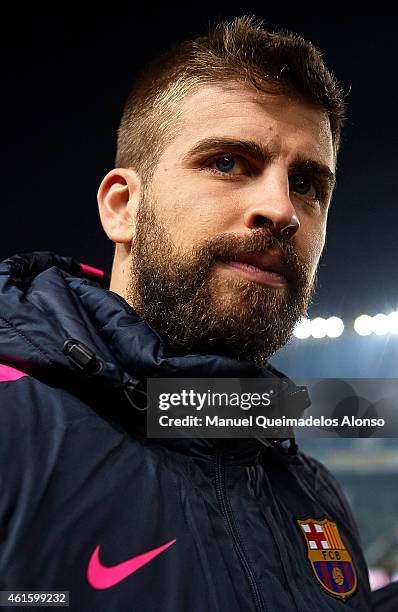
[
  {"x": 310, "y": 244},
  {"x": 193, "y": 217},
  {"x": 190, "y": 225}
]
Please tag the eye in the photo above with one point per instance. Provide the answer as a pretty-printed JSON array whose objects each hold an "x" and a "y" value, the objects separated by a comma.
[
  {"x": 229, "y": 164},
  {"x": 304, "y": 186}
]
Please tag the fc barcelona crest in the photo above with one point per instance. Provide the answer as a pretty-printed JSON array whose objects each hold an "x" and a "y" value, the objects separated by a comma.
[{"x": 329, "y": 558}]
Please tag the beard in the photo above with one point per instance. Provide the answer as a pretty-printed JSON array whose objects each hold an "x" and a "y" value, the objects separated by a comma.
[{"x": 196, "y": 310}]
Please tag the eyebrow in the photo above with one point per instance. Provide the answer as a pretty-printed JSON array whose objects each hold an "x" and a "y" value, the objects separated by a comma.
[
  {"x": 261, "y": 153},
  {"x": 311, "y": 166}
]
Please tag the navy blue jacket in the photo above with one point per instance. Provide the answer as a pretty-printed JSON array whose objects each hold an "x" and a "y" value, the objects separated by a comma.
[{"x": 88, "y": 504}]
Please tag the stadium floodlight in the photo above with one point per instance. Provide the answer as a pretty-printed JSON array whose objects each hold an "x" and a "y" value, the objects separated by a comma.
[
  {"x": 393, "y": 322},
  {"x": 380, "y": 324},
  {"x": 318, "y": 327},
  {"x": 363, "y": 325},
  {"x": 334, "y": 327},
  {"x": 302, "y": 329}
]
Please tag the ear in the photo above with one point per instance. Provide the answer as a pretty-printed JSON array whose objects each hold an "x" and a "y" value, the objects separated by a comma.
[{"x": 118, "y": 198}]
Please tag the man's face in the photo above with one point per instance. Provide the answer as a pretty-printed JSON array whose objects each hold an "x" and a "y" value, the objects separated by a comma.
[{"x": 231, "y": 227}]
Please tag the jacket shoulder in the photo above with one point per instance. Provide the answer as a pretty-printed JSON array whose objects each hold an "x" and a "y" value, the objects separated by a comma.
[
  {"x": 326, "y": 486},
  {"x": 25, "y": 397},
  {"x": 10, "y": 374}
]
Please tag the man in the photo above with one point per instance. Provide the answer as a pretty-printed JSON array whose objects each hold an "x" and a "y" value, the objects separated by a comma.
[{"x": 218, "y": 207}]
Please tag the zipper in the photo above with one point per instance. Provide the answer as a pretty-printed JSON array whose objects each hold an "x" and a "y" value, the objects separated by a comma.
[{"x": 228, "y": 516}]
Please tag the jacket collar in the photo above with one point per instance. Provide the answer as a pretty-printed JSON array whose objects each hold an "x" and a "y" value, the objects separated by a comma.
[{"x": 53, "y": 300}]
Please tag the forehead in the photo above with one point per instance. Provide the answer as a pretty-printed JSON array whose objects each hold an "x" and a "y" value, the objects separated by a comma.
[{"x": 286, "y": 125}]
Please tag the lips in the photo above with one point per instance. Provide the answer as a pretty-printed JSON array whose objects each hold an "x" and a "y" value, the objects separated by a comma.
[{"x": 267, "y": 262}]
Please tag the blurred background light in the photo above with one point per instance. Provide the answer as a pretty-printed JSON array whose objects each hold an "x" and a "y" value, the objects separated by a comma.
[
  {"x": 318, "y": 327},
  {"x": 380, "y": 324},
  {"x": 302, "y": 329},
  {"x": 393, "y": 322},
  {"x": 334, "y": 327},
  {"x": 363, "y": 325}
]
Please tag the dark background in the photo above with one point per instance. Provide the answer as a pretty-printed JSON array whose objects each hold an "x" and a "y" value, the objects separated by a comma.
[{"x": 65, "y": 76}]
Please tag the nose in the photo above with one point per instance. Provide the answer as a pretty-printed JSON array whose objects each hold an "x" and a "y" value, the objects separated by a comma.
[{"x": 272, "y": 207}]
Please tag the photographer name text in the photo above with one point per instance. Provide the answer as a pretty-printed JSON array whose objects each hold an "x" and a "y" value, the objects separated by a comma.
[{"x": 268, "y": 423}]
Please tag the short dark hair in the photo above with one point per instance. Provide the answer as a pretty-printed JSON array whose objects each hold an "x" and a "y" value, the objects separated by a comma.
[{"x": 237, "y": 51}]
